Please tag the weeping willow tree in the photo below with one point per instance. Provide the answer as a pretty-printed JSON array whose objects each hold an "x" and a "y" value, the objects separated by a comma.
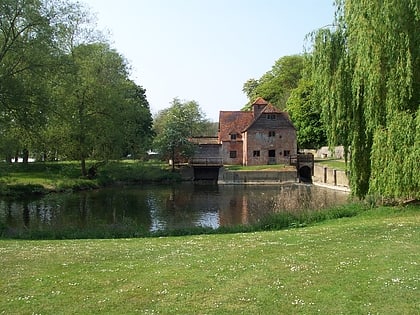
[{"x": 366, "y": 74}]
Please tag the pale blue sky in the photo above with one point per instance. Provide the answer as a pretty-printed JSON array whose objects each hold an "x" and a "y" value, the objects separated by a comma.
[{"x": 205, "y": 50}]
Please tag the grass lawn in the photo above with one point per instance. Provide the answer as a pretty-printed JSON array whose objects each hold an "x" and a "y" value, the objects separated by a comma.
[
  {"x": 337, "y": 164},
  {"x": 368, "y": 264},
  {"x": 62, "y": 176}
]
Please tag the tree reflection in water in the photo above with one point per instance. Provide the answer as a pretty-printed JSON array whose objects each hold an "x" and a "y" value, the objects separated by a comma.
[{"x": 160, "y": 207}]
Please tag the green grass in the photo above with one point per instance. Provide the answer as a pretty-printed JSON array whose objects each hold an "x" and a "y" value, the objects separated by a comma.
[
  {"x": 366, "y": 264},
  {"x": 337, "y": 164}
]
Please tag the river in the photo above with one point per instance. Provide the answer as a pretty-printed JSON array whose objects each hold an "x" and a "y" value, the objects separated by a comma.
[{"x": 163, "y": 207}]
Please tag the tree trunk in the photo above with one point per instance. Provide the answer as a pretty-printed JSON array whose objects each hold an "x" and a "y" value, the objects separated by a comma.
[
  {"x": 83, "y": 166},
  {"x": 173, "y": 159},
  {"x": 25, "y": 157}
]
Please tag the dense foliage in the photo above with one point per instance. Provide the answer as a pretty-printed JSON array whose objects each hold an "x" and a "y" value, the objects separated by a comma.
[
  {"x": 64, "y": 92},
  {"x": 366, "y": 76},
  {"x": 175, "y": 126},
  {"x": 288, "y": 87},
  {"x": 305, "y": 114},
  {"x": 276, "y": 84}
]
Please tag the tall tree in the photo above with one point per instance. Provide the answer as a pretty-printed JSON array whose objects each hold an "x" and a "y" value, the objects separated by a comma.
[
  {"x": 137, "y": 122},
  {"x": 26, "y": 46},
  {"x": 63, "y": 90},
  {"x": 175, "y": 126},
  {"x": 95, "y": 102},
  {"x": 366, "y": 77},
  {"x": 31, "y": 37},
  {"x": 275, "y": 85},
  {"x": 305, "y": 114},
  {"x": 249, "y": 88}
]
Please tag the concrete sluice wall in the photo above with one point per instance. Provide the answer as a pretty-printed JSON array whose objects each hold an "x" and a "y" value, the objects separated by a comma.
[
  {"x": 330, "y": 177},
  {"x": 256, "y": 177}
]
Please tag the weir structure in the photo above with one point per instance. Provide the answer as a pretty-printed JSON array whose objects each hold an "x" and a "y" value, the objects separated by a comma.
[
  {"x": 206, "y": 168},
  {"x": 304, "y": 165}
]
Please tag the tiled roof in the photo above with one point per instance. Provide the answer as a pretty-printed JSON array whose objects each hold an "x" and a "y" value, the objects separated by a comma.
[
  {"x": 233, "y": 122},
  {"x": 260, "y": 101}
]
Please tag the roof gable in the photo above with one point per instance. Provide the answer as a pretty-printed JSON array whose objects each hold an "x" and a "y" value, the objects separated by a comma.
[{"x": 269, "y": 108}]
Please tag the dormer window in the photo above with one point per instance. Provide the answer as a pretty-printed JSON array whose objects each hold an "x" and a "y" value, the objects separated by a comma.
[
  {"x": 271, "y": 116},
  {"x": 233, "y": 136}
]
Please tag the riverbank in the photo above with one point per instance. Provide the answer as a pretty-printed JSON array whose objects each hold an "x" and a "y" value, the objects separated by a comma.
[
  {"x": 364, "y": 264},
  {"x": 18, "y": 179},
  {"x": 334, "y": 187}
]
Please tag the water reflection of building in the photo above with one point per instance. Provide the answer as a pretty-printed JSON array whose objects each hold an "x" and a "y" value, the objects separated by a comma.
[
  {"x": 165, "y": 207},
  {"x": 246, "y": 206},
  {"x": 234, "y": 210}
]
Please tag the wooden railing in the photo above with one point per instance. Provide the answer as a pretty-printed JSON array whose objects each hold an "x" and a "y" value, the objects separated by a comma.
[{"x": 209, "y": 161}]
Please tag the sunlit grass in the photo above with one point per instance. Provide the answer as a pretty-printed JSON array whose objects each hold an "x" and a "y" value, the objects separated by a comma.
[
  {"x": 338, "y": 164},
  {"x": 362, "y": 265},
  {"x": 60, "y": 176}
]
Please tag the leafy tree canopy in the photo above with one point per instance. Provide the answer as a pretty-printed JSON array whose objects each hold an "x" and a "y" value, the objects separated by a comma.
[
  {"x": 64, "y": 93},
  {"x": 276, "y": 85},
  {"x": 175, "y": 126},
  {"x": 305, "y": 114},
  {"x": 102, "y": 114}
]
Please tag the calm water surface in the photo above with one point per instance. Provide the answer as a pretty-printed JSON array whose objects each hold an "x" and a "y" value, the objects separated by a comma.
[{"x": 162, "y": 207}]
